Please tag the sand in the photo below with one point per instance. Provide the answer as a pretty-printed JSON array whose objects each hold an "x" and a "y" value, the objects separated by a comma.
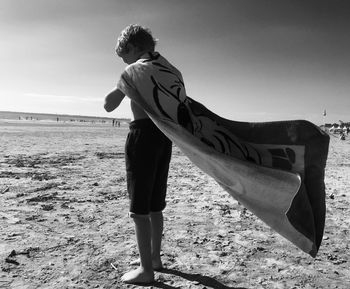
[{"x": 63, "y": 219}]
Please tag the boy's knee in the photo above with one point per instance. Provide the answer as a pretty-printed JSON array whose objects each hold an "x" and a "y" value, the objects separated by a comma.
[
  {"x": 138, "y": 216},
  {"x": 155, "y": 214}
]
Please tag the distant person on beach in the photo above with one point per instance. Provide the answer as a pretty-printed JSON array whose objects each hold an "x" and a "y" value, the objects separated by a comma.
[
  {"x": 342, "y": 136},
  {"x": 147, "y": 157}
]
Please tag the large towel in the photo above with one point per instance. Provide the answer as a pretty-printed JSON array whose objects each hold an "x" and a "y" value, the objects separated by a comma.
[{"x": 275, "y": 169}]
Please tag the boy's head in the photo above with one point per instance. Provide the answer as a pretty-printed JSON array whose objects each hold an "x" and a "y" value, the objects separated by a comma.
[{"x": 139, "y": 37}]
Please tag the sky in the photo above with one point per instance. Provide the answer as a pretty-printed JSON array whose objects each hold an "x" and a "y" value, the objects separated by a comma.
[{"x": 246, "y": 60}]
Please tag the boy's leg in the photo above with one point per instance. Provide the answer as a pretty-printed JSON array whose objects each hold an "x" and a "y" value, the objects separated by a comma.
[
  {"x": 156, "y": 219},
  {"x": 143, "y": 231},
  {"x": 158, "y": 200},
  {"x": 157, "y": 233}
]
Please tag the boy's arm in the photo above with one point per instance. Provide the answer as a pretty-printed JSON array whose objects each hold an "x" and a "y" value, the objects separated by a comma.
[{"x": 113, "y": 99}]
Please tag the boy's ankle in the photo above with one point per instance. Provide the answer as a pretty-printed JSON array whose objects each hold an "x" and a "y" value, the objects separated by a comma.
[{"x": 146, "y": 270}]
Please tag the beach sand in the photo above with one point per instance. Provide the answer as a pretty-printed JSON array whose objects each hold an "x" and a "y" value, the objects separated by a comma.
[{"x": 63, "y": 219}]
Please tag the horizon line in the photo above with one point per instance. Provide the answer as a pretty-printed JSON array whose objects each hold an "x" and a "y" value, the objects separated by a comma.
[{"x": 64, "y": 115}]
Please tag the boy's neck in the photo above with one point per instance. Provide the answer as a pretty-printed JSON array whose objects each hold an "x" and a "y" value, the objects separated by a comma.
[{"x": 148, "y": 54}]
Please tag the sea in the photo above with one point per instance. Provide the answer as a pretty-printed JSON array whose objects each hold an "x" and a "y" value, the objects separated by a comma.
[{"x": 15, "y": 117}]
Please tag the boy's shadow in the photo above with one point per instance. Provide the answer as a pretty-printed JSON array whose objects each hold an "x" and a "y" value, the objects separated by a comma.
[{"x": 203, "y": 280}]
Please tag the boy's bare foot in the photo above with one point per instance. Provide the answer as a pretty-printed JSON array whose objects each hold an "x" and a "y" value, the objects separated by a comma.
[
  {"x": 138, "y": 276},
  {"x": 157, "y": 265}
]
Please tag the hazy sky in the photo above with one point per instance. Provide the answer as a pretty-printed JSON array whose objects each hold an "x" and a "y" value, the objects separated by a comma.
[{"x": 251, "y": 60}]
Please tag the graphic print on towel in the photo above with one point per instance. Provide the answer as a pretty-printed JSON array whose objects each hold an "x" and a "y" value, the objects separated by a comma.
[{"x": 275, "y": 169}]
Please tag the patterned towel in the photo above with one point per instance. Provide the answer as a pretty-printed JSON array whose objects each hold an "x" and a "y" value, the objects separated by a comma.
[{"x": 275, "y": 169}]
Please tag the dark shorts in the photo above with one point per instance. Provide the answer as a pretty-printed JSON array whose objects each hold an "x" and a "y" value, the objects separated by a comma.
[{"x": 147, "y": 158}]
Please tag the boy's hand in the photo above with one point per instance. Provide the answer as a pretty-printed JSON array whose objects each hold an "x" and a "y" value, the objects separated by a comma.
[{"x": 113, "y": 100}]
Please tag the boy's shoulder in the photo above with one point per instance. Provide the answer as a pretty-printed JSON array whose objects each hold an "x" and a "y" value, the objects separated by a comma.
[
  {"x": 146, "y": 62},
  {"x": 151, "y": 63}
]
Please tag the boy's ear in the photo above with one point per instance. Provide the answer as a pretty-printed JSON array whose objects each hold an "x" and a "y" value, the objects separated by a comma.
[{"x": 129, "y": 47}]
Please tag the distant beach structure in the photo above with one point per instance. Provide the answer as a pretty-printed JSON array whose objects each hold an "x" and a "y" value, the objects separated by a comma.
[{"x": 338, "y": 128}]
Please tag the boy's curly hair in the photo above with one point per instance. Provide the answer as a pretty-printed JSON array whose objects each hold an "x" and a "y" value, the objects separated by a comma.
[{"x": 137, "y": 35}]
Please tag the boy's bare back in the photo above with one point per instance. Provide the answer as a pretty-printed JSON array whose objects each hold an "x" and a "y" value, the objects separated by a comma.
[{"x": 137, "y": 111}]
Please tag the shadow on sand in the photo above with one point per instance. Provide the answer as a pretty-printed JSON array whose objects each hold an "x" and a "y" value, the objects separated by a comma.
[{"x": 206, "y": 281}]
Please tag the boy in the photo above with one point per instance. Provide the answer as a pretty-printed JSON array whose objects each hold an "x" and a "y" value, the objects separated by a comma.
[{"x": 147, "y": 154}]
